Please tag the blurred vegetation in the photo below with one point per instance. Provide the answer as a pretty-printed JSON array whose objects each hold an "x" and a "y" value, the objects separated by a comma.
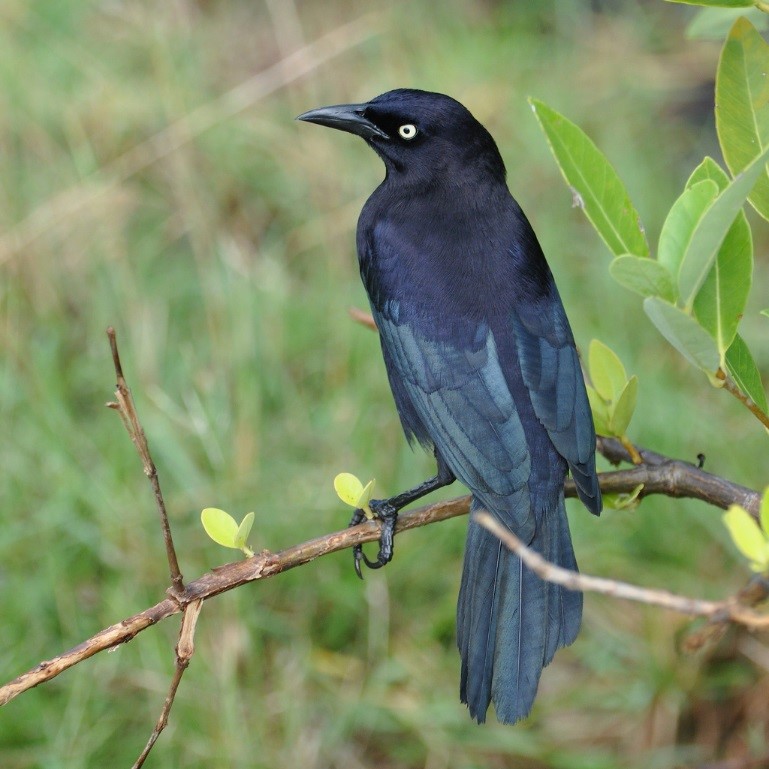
[{"x": 222, "y": 250}]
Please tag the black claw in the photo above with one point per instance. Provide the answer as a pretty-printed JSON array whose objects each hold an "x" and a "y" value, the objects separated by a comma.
[
  {"x": 357, "y": 554},
  {"x": 374, "y": 564},
  {"x": 388, "y": 514},
  {"x": 357, "y": 517}
]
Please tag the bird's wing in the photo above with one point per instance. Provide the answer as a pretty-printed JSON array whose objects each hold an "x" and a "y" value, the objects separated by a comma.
[
  {"x": 552, "y": 373},
  {"x": 457, "y": 387}
]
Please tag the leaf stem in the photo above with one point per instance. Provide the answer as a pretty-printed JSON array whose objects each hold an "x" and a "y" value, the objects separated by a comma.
[
  {"x": 731, "y": 386},
  {"x": 635, "y": 456}
]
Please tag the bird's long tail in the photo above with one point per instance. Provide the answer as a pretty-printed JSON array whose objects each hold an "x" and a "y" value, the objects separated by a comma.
[{"x": 509, "y": 622}]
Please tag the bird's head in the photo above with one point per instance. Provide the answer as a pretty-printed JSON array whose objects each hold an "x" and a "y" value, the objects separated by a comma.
[{"x": 417, "y": 132}]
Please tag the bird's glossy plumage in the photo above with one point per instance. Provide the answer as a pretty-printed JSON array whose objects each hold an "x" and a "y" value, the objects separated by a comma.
[{"x": 483, "y": 368}]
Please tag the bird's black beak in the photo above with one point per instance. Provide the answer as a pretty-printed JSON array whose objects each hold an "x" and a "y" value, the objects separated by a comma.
[{"x": 345, "y": 117}]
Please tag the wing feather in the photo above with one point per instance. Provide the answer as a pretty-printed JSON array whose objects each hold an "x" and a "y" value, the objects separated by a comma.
[
  {"x": 461, "y": 396},
  {"x": 552, "y": 373}
]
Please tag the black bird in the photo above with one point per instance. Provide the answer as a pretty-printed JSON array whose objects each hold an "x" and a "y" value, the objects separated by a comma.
[{"x": 484, "y": 372}]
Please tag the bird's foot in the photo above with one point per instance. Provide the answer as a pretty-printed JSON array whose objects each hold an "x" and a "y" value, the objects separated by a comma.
[{"x": 388, "y": 515}]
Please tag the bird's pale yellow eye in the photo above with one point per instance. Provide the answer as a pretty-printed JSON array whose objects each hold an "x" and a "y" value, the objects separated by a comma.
[{"x": 408, "y": 131}]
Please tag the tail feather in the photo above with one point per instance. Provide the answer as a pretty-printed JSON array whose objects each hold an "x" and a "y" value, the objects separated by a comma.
[{"x": 510, "y": 622}]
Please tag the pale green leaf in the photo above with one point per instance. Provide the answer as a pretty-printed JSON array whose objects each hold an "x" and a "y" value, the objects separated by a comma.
[
  {"x": 600, "y": 411},
  {"x": 244, "y": 530},
  {"x": 623, "y": 410},
  {"x": 606, "y": 371},
  {"x": 765, "y": 312},
  {"x": 742, "y": 105},
  {"x": 348, "y": 488},
  {"x": 712, "y": 228},
  {"x": 746, "y": 534},
  {"x": 646, "y": 277},
  {"x": 596, "y": 187},
  {"x": 743, "y": 369},
  {"x": 681, "y": 222},
  {"x": 365, "y": 494},
  {"x": 684, "y": 333},
  {"x": 220, "y": 526}
]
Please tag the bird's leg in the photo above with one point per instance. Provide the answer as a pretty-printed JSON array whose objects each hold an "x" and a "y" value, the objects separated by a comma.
[{"x": 387, "y": 512}]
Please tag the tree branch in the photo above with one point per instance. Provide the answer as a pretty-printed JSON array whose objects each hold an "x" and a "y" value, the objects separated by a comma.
[
  {"x": 667, "y": 476},
  {"x": 220, "y": 580},
  {"x": 673, "y": 478}
]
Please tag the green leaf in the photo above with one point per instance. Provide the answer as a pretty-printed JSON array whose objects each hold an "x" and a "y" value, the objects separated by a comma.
[
  {"x": 220, "y": 526},
  {"x": 717, "y": 3},
  {"x": 765, "y": 312},
  {"x": 742, "y": 105},
  {"x": 348, "y": 488},
  {"x": 712, "y": 228},
  {"x": 244, "y": 530},
  {"x": 622, "y": 412},
  {"x": 606, "y": 371},
  {"x": 594, "y": 183},
  {"x": 600, "y": 411},
  {"x": 684, "y": 333},
  {"x": 763, "y": 514},
  {"x": 746, "y": 534},
  {"x": 743, "y": 369},
  {"x": 646, "y": 277},
  {"x": 709, "y": 169},
  {"x": 681, "y": 222},
  {"x": 352, "y": 492},
  {"x": 365, "y": 495},
  {"x": 720, "y": 302}
]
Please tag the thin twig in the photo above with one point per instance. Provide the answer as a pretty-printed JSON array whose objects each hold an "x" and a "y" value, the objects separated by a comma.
[
  {"x": 756, "y": 591},
  {"x": 729, "y": 609},
  {"x": 185, "y": 648},
  {"x": 731, "y": 386},
  {"x": 126, "y": 407},
  {"x": 364, "y": 318}
]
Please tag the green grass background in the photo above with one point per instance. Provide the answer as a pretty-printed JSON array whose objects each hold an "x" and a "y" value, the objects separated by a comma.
[{"x": 222, "y": 251}]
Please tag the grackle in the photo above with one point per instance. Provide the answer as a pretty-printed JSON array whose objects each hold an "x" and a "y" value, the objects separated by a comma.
[{"x": 484, "y": 372}]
